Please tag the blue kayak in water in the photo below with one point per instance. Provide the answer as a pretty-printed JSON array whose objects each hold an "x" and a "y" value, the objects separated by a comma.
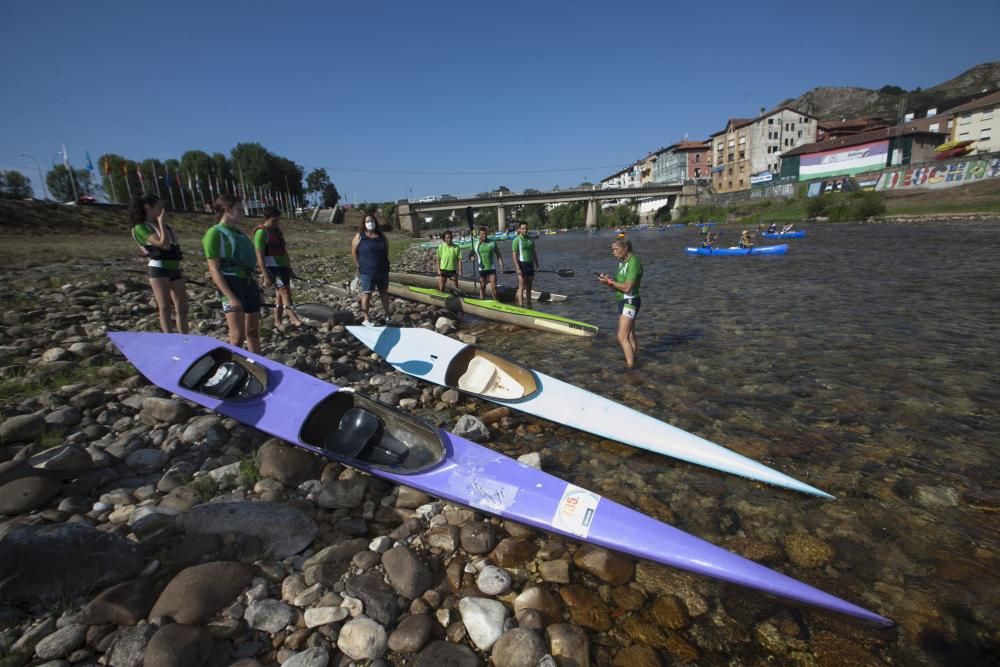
[
  {"x": 784, "y": 235},
  {"x": 732, "y": 252}
]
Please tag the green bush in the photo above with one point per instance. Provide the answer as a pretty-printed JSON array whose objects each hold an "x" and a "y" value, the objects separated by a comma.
[
  {"x": 817, "y": 206},
  {"x": 867, "y": 205}
]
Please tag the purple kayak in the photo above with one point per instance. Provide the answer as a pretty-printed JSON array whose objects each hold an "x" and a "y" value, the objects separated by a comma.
[{"x": 344, "y": 426}]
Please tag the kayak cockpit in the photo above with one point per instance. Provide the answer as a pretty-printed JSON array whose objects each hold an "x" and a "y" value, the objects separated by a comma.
[
  {"x": 361, "y": 430},
  {"x": 476, "y": 371},
  {"x": 226, "y": 375}
]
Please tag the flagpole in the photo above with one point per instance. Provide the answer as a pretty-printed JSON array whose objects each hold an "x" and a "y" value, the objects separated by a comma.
[
  {"x": 156, "y": 179},
  {"x": 166, "y": 182},
  {"x": 180, "y": 186},
  {"x": 72, "y": 181},
  {"x": 111, "y": 181},
  {"x": 128, "y": 186}
]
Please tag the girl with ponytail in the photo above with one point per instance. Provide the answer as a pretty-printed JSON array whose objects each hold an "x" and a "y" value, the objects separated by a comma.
[{"x": 160, "y": 245}]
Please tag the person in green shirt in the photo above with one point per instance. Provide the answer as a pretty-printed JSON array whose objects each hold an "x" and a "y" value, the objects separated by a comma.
[
  {"x": 483, "y": 252},
  {"x": 626, "y": 286},
  {"x": 449, "y": 261},
  {"x": 274, "y": 264},
  {"x": 231, "y": 261},
  {"x": 160, "y": 245},
  {"x": 525, "y": 264}
]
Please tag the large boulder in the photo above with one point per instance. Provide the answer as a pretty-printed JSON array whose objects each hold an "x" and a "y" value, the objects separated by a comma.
[
  {"x": 289, "y": 465},
  {"x": 409, "y": 575},
  {"x": 178, "y": 645},
  {"x": 62, "y": 561},
  {"x": 195, "y": 594},
  {"x": 283, "y": 530}
]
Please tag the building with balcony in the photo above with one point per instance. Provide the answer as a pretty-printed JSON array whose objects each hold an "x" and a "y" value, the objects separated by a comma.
[
  {"x": 682, "y": 161},
  {"x": 978, "y": 121}
]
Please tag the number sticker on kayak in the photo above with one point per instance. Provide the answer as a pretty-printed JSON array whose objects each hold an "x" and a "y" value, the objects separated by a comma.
[{"x": 576, "y": 510}]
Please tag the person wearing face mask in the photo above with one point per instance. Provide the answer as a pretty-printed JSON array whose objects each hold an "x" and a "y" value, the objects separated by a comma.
[
  {"x": 370, "y": 249},
  {"x": 231, "y": 261}
]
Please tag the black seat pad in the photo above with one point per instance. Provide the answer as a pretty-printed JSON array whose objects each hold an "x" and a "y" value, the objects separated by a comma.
[
  {"x": 358, "y": 428},
  {"x": 200, "y": 371},
  {"x": 229, "y": 378}
]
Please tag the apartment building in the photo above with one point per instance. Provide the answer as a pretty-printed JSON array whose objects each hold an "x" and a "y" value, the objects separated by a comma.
[
  {"x": 680, "y": 162},
  {"x": 776, "y": 132},
  {"x": 979, "y": 121},
  {"x": 730, "y": 159}
]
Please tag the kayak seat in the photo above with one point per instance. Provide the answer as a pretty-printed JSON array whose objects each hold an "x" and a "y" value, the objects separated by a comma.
[
  {"x": 478, "y": 376},
  {"x": 361, "y": 435},
  {"x": 228, "y": 381}
]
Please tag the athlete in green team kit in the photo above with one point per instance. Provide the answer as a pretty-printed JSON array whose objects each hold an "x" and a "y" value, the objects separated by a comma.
[{"x": 626, "y": 287}]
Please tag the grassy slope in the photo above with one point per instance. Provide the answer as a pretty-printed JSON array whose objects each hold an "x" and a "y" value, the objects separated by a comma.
[{"x": 35, "y": 234}]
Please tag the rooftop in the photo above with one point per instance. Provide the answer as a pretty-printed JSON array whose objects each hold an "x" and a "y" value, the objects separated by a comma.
[
  {"x": 856, "y": 139},
  {"x": 978, "y": 103}
]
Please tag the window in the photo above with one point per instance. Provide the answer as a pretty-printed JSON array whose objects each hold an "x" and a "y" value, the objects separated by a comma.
[
  {"x": 732, "y": 142},
  {"x": 743, "y": 141},
  {"x": 800, "y": 134},
  {"x": 718, "y": 146},
  {"x": 697, "y": 157},
  {"x": 770, "y": 121},
  {"x": 741, "y": 182},
  {"x": 963, "y": 135},
  {"x": 988, "y": 114},
  {"x": 743, "y": 155},
  {"x": 729, "y": 158},
  {"x": 934, "y": 127}
]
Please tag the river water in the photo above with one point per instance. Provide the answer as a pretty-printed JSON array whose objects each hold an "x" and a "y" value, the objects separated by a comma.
[{"x": 864, "y": 362}]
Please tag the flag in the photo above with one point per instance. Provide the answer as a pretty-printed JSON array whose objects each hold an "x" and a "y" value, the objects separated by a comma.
[
  {"x": 138, "y": 170},
  {"x": 90, "y": 165},
  {"x": 107, "y": 167}
]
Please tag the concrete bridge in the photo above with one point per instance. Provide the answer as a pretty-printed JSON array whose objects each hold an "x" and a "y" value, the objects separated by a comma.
[{"x": 411, "y": 213}]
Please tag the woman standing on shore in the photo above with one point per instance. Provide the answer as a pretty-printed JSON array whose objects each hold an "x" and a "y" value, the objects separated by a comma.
[
  {"x": 160, "y": 245},
  {"x": 274, "y": 264},
  {"x": 525, "y": 263},
  {"x": 484, "y": 251},
  {"x": 449, "y": 261},
  {"x": 370, "y": 249},
  {"x": 626, "y": 286},
  {"x": 231, "y": 261}
]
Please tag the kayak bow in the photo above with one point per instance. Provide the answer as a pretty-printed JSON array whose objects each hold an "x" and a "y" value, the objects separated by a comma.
[
  {"x": 346, "y": 427},
  {"x": 445, "y": 361},
  {"x": 469, "y": 287}
]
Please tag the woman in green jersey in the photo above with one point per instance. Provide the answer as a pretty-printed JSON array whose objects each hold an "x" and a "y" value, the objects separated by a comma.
[
  {"x": 626, "y": 287},
  {"x": 231, "y": 261},
  {"x": 274, "y": 264},
  {"x": 159, "y": 243},
  {"x": 449, "y": 261},
  {"x": 525, "y": 263},
  {"x": 484, "y": 251}
]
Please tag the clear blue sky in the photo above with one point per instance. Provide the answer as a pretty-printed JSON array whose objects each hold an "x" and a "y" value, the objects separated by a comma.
[{"x": 445, "y": 86}]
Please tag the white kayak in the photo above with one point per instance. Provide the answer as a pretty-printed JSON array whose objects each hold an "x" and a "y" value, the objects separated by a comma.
[{"x": 451, "y": 363}]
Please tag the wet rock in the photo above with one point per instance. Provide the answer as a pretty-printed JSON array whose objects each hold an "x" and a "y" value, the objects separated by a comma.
[
  {"x": 483, "y": 620},
  {"x": 62, "y": 642},
  {"x": 271, "y": 616},
  {"x": 365, "y": 560},
  {"x": 204, "y": 428},
  {"x": 670, "y": 612},
  {"x": 283, "y": 530},
  {"x": 443, "y": 537},
  {"x": 471, "y": 428},
  {"x": 541, "y": 600},
  {"x": 289, "y": 465},
  {"x": 409, "y": 575},
  {"x": 493, "y": 581},
  {"x": 586, "y": 608},
  {"x": 342, "y": 493},
  {"x": 759, "y": 551},
  {"x": 411, "y": 499},
  {"x": 362, "y": 639},
  {"x": 22, "y": 428},
  {"x": 318, "y": 616},
  {"x": 636, "y": 655},
  {"x": 411, "y": 634},
  {"x": 628, "y": 598},
  {"x": 936, "y": 496},
  {"x": 513, "y": 552},
  {"x": 378, "y": 597},
  {"x": 317, "y": 656},
  {"x": 171, "y": 411},
  {"x": 641, "y": 630},
  {"x": 569, "y": 645},
  {"x": 129, "y": 645},
  {"x": 610, "y": 566},
  {"x": 126, "y": 603},
  {"x": 451, "y": 397},
  {"x": 478, "y": 537},
  {"x": 195, "y": 594},
  {"x": 444, "y": 654},
  {"x": 808, "y": 551},
  {"x": 67, "y": 461},
  {"x": 495, "y": 415},
  {"x": 62, "y": 561},
  {"x": 533, "y": 459},
  {"x": 681, "y": 650},
  {"x": 28, "y": 493},
  {"x": 179, "y": 645},
  {"x": 555, "y": 571},
  {"x": 518, "y": 647}
]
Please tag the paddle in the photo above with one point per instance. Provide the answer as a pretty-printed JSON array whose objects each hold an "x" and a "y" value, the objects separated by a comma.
[{"x": 562, "y": 273}]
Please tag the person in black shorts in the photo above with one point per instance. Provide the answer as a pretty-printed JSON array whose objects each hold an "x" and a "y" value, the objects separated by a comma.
[{"x": 160, "y": 245}]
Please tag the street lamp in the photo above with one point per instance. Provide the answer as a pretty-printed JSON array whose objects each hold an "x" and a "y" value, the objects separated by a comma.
[{"x": 45, "y": 194}]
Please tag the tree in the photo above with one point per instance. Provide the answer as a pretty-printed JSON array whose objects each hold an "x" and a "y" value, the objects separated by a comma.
[
  {"x": 317, "y": 181},
  {"x": 222, "y": 172},
  {"x": 534, "y": 214},
  {"x": 15, "y": 185},
  {"x": 250, "y": 163},
  {"x": 330, "y": 196},
  {"x": 59, "y": 185},
  {"x": 118, "y": 176}
]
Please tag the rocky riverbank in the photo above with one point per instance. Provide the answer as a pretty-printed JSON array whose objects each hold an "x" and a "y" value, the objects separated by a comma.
[{"x": 140, "y": 529}]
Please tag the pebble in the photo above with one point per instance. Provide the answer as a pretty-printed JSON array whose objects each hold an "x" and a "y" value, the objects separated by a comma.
[
  {"x": 362, "y": 639},
  {"x": 518, "y": 647},
  {"x": 317, "y": 656},
  {"x": 493, "y": 581},
  {"x": 483, "y": 620},
  {"x": 411, "y": 634},
  {"x": 271, "y": 616}
]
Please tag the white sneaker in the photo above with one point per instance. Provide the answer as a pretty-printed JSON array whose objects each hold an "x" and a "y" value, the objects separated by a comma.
[{"x": 367, "y": 323}]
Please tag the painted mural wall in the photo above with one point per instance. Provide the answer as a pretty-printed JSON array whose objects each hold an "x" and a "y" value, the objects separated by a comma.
[
  {"x": 844, "y": 161},
  {"x": 961, "y": 172}
]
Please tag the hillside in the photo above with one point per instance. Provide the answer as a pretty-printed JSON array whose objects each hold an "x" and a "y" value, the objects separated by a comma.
[{"x": 850, "y": 102}]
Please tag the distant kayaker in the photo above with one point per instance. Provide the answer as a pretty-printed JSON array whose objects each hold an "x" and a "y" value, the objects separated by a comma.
[
  {"x": 160, "y": 245},
  {"x": 449, "y": 261},
  {"x": 773, "y": 228},
  {"x": 231, "y": 261},
  {"x": 626, "y": 285},
  {"x": 484, "y": 251},
  {"x": 747, "y": 239},
  {"x": 788, "y": 228},
  {"x": 525, "y": 263},
  {"x": 370, "y": 249},
  {"x": 710, "y": 239},
  {"x": 274, "y": 264}
]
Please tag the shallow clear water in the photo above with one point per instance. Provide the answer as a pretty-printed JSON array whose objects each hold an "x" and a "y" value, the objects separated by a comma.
[{"x": 863, "y": 362}]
